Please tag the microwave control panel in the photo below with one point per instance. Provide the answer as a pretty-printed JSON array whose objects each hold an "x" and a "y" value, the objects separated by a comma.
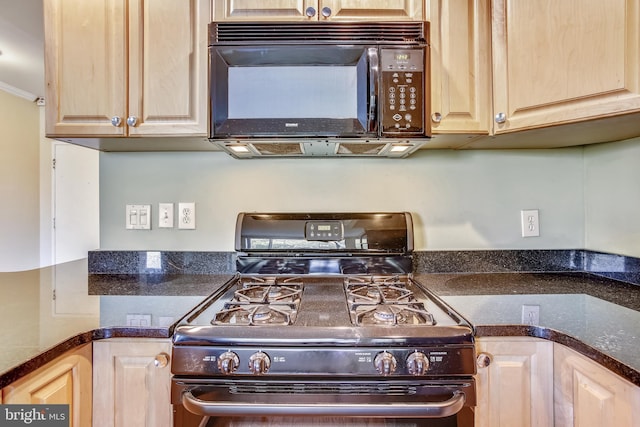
[{"x": 402, "y": 92}]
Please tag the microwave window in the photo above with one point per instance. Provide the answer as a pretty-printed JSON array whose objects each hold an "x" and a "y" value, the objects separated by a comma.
[{"x": 279, "y": 92}]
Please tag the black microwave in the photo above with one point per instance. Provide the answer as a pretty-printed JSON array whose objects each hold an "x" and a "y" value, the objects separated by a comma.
[{"x": 319, "y": 82}]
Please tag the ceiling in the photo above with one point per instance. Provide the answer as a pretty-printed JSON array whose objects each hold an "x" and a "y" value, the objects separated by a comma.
[{"x": 22, "y": 47}]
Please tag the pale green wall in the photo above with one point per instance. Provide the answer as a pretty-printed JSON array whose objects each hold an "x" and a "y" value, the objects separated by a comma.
[
  {"x": 460, "y": 199},
  {"x": 612, "y": 199},
  {"x": 19, "y": 184}
]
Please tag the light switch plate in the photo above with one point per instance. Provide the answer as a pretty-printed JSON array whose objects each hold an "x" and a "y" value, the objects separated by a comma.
[
  {"x": 187, "y": 215},
  {"x": 165, "y": 215},
  {"x": 138, "y": 217}
]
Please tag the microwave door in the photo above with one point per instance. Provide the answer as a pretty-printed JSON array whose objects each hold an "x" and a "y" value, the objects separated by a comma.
[{"x": 293, "y": 91}]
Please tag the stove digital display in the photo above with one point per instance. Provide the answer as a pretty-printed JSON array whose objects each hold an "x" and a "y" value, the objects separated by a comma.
[{"x": 324, "y": 230}]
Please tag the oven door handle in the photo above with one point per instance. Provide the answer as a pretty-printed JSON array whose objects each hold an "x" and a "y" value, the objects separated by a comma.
[{"x": 394, "y": 410}]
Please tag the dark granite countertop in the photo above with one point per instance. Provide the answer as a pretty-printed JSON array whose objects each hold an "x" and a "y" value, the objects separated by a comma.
[
  {"x": 597, "y": 317},
  {"x": 48, "y": 311}
]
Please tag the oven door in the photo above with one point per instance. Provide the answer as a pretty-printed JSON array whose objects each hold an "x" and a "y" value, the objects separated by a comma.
[
  {"x": 293, "y": 91},
  {"x": 442, "y": 403}
]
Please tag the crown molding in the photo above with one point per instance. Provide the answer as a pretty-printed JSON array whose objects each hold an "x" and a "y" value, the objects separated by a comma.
[{"x": 17, "y": 92}]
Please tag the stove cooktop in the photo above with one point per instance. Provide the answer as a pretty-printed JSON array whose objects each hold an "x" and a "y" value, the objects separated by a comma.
[{"x": 342, "y": 310}]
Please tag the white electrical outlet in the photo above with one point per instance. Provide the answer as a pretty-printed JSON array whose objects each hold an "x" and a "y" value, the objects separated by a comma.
[
  {"x": 187, "y": 216},
  {"x": 531, "y": 314},
  {"x": 530, "y": 223},
  {"x": 143, "y": 320},
  {"x": 138, "y": 217},
  {"x": 165, "y": 215},
  {"x": 154, "y": 260}
]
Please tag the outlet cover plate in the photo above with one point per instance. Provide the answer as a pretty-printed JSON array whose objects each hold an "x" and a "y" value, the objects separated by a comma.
[
  {"x": 530, "y": 220},
  {"x": 187, "y": 215}
]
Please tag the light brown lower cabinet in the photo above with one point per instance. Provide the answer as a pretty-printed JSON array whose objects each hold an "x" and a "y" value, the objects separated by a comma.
[
  {"x": 132, "y": 383},
  {"x": 534, "y": 382},
  {"x": 589, "y": 395},
  {"x": 516, "y": 388},
  {"x": 64, "y": 380}
]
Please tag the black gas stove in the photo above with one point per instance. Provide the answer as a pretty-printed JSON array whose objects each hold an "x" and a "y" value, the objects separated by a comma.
[{"x": 321, "y": 301}]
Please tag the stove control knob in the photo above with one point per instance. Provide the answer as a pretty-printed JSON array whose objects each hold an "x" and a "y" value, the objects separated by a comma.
[
  {"x": 385, "y": 363},
  {"x": 228, "y": 362},
  {"x": 417, "y": 363},
  {"x": 259, "y": 363}
]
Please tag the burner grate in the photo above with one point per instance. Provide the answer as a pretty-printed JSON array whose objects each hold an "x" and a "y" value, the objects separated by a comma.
[
  {"x": 384, "y": 300},
  {"x": 255, "y": 314},
  {"x": 262, "y": 301}
]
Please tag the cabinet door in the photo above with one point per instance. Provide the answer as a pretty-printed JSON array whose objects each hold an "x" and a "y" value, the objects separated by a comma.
[
  {"x": 296, "y": 10},
  {"x": 372, "y": 10},
  {"x": 84, "y": 67},
  {"x": 588, "y": 395},
  {"x": 516, "y": 389},
  {"x": 262, "y": 10},
  {"x": 65, "y": 380},
  {"x": 564, "y": 61},
  {"x": 168, "y": 88},
  {"x": 460, "y": 66},
  {"x": 132, "y": 383}
]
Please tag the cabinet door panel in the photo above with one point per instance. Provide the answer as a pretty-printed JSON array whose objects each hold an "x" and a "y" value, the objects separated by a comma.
[
  {"x": 460, "y": 66},
  {"x": 516, "y": 389},
  {"x": 396, "y": 10},
  {"x": 262, "y": 10},
  {"x": 66, "y": 380},
  {"x": 168, "y": 67},
  {"x": 588, "y": 395},
  {"x": 85, "y": 67},
  {"x": 130, "y": 390},
  {"x": 557, "y": 62}
]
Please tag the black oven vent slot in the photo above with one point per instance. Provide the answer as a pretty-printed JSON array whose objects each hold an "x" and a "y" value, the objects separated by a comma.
[
  {"x": 302, "y": 388},
  {"x": 321, "y": 32}
]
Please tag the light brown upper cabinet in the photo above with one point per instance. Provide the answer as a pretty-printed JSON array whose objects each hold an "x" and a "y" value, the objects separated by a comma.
[
  {"x": 460, "y": 66},
  {"x": 126, "y": 68},
  {"x": 557, "y": 62},
  {"x": 304, "y": 10}
]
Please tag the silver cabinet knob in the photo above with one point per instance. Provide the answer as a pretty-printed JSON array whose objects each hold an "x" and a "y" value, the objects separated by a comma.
[
  {"x": 385, "y": 363},
  {"x": 116, "y": 121},
  {"x": 326, "y": 12},
  {"x": 161, "y": 360},
  {"x": 436, "y": 117},
  {"x": 259, "y": 363},
  {"x": 228, "y": 362},
  {"x": 132, "y": 120},
  {"x": 483, "y": 360},
  {"x": 310, "y": 12},
  {"x": 501, "y": 118}
]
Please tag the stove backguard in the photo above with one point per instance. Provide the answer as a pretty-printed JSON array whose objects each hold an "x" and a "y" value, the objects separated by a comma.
[{"x": 328, "y": 234}]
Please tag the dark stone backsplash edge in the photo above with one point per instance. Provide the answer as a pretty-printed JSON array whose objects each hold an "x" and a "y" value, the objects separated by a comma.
[
  {"x": 612, "y": 266},
  {"x": 160, "y": 262}
]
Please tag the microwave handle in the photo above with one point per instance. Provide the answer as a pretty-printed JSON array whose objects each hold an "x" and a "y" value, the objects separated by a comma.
[{"x": 374, "y": 72}]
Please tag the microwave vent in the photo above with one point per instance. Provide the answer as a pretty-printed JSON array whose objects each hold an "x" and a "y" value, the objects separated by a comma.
[
  {"x": 253, "y": 149},
  {"x": 278, "y": 149},
  {"x": 320, "y": 32},
  {"x": 361, "y": 148}
]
